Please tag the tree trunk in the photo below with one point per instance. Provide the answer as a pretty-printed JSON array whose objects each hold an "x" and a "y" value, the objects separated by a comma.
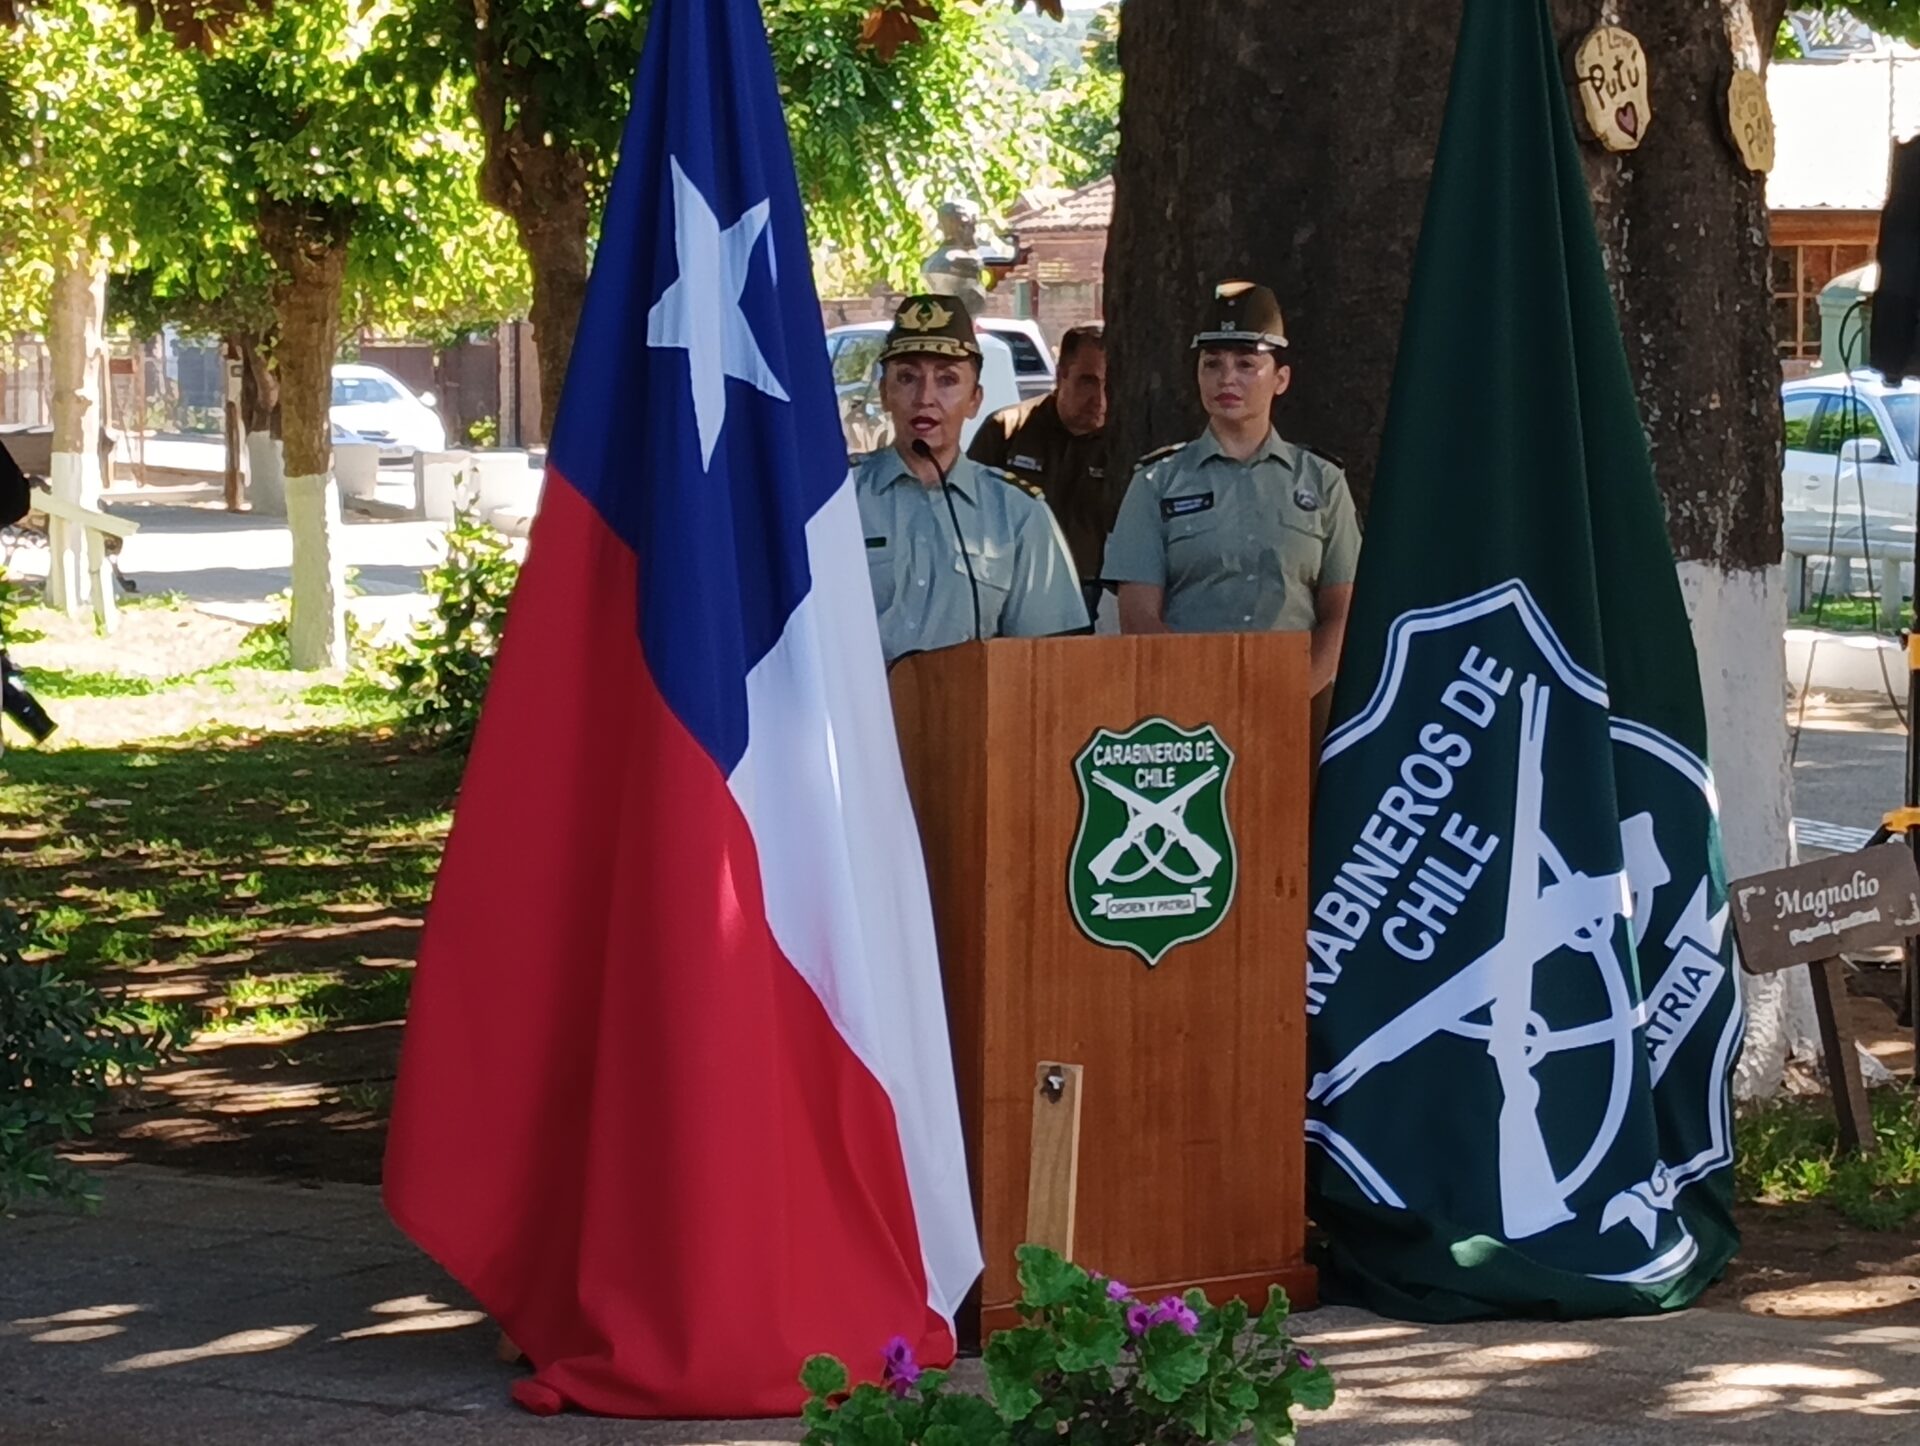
[
  {"x": 308, "y": 248},
  {"x": 76, "y": 347},
  {"x": 260, "y": 421},
  {"x": 542, "y": 188},
  {"x": 1300, "y": 157}
]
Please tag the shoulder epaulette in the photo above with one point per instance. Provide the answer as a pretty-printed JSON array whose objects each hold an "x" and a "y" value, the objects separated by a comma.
[
  {"x": 1160, "y": 454},
  {"x": 1323, "y": 455},
  {"x": 1032, "y": 489}
]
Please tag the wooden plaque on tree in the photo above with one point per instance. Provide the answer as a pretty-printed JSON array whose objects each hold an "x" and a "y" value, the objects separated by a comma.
[{"x": 1610, "y": 72}]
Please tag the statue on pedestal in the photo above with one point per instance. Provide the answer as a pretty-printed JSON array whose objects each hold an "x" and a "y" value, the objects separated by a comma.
[{"x": 956, "y": 269}]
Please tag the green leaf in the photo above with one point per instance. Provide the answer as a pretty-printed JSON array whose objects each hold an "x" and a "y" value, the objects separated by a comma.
[
  {"x": 823, "y": 1376},
  {"x": 1170, "y": 1362},
  {"x": 1014, "y": 1360},
  {"x": 1273, "y": 1319},
  {"x": 1312, "y": 1389},
  {"x": 1047, "y": 1280},
  {"x": 1088, "y": 1342}
]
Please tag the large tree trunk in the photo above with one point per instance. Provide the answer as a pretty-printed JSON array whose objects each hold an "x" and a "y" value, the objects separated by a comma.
[
  {"x": 542, "y": 188},
  {"x": 1293, "y": 144},
  {"x": 308, "y": 247},
  {"x": 76, "y": 344}
]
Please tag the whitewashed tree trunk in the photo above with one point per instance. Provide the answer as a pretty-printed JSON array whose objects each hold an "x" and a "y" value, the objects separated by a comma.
[
  {"x": 74, "y": 341},
  {"x": 317, "y": 628},
  {"x": 1738, "y": 617},
  {"x": 266, "y": 475},
  {"x": 308, "y": 245}
]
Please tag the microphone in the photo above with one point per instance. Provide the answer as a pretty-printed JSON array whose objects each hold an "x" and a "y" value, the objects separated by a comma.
[{"x": 921, "y": 449}]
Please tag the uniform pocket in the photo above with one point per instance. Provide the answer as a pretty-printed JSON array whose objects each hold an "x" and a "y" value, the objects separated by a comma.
[
  {"x": 992, "y": 565},
  {"x": 880, "y": 574},
  {"x": 1193, "y": 544}
]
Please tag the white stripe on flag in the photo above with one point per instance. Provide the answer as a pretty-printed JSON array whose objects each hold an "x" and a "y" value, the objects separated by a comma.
[{"x": 822, "y": 788}]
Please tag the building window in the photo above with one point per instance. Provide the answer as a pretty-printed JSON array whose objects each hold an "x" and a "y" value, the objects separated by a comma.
[{"x": 1798, "y": 274}]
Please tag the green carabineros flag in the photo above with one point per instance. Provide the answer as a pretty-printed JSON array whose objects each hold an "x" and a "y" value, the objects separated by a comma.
[{"x": 1524, "y": 1007}]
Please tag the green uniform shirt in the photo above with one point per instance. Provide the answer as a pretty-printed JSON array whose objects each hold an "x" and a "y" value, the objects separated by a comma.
[
  {"x": 1026, "y": 579},
  {"x": 1238, "y": 546},
  {"x": 1032, "y": 442}
]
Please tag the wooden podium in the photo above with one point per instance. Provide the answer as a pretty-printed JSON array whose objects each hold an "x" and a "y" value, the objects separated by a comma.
[{"x": 1192, "y": 1089}]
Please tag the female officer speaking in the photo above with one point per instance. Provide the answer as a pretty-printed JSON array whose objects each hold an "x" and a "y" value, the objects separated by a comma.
[{"x": 1239, "y": 530}]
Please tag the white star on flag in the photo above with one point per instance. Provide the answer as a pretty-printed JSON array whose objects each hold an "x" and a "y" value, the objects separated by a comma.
[{"x": 700, "y": 313}]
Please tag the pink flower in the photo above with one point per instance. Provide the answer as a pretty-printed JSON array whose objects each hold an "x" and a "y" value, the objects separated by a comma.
[
  {"x": 1305, "y": 1358},
  {"x": 1117, "y": 1292},
  {"x": 1140, "y": 1319},
  {"x": 1179, "y": 1312},
  {"x": 902, "y": 1371}
]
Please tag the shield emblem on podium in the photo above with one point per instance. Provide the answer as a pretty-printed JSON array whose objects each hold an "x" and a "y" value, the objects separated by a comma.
[{"x": 1153, "y": 862}]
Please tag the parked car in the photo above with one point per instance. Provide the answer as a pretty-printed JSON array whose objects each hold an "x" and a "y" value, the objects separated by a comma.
[
  {"x": 854, "y": 352},
  {"x": 382, "y": 409},
  {"x": 1032, "y": 357},
  {"x": 1847, "y": 487}
]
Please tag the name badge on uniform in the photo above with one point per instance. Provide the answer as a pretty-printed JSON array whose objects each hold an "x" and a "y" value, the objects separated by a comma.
[
  {"x": 873, "y": 542},
  {"x": 1305, "y": 498},
  {"x": 1186, "y": 505},
  {"x": 1031, "y": 464}
]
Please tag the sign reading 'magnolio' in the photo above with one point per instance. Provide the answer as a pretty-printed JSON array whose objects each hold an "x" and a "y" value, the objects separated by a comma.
[{"x": 1818, "y": 910}]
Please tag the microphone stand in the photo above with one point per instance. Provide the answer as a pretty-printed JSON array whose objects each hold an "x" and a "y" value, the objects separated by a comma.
[{"x": 921, "y": 449}]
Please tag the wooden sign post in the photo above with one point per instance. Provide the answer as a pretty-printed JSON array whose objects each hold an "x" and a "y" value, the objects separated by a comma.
[{"x": 1809, "y": 914}]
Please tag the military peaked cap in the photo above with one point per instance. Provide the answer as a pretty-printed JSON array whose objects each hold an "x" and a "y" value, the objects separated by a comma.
[
  {"x": 931, "y": 326},
  {"x": 1239, "y": 313}
]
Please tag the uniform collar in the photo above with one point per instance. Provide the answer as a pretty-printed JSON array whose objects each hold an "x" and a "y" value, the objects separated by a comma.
[
  {"x": 1273, "y": 449},
  {"x": 893, "y": 469}
]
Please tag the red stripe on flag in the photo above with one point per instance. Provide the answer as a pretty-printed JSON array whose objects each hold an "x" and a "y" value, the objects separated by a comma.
[{"x": 624, "y": 1122}]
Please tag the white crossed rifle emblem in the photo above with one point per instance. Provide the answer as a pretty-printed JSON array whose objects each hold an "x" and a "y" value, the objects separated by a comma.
[{"x": 1169, "y": 815}]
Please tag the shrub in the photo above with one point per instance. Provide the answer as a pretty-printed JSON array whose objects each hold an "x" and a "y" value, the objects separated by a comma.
[
  {"x": 63, "y": 1046},
  {"x": 440, "y": 674},
  {"x": 1090, "y": 1363}
]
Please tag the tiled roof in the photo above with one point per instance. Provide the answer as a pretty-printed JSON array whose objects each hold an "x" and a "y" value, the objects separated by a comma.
[{"x": 1088, "y": 209}]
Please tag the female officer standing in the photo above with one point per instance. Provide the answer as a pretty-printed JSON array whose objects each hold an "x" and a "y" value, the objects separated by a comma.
[{"x": 1238, "y": 530}]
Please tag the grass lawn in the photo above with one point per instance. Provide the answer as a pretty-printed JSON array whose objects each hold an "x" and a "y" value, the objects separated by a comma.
[
  {"x": 257, "y": 885},
  {"x": 1849, "y": 615}
]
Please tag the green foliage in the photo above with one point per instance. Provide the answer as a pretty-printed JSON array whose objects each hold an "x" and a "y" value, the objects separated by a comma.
[
  {"x": 877, "y": 144},
  {"x": 1789, "y": 1152},
  {"x": 440, "y": 674},
  {"x": 63, "y": 1047},
  {"x": 1085, "y": 104},
  {"x": 1090, "y": 1364},
  {"x": 1895, "y": 19},
  {"x": 73, "y": 74}
]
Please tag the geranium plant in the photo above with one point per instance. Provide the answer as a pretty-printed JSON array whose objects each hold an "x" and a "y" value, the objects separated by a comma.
[{"x": 1090, "y": 1365}]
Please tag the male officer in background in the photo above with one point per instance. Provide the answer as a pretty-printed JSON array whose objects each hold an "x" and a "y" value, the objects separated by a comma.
[
  {"x": 1008, "y": 574},
  {"x": 1058, "y": 443}
]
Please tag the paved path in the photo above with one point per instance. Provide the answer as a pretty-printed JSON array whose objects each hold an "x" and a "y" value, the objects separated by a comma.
[
  {"x": 232, "y": 564},
  {"x": 211, "y": 1311}
]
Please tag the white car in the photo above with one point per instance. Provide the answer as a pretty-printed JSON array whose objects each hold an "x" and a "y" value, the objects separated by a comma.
[
  {"x": 854, "y": 352},
  {"x": 1847, "y": 488},
  {"x": 378, "y": 405}
]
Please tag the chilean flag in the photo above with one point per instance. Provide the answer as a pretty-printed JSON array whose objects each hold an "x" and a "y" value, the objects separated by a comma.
[{"x": 676, "y": 1101}]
